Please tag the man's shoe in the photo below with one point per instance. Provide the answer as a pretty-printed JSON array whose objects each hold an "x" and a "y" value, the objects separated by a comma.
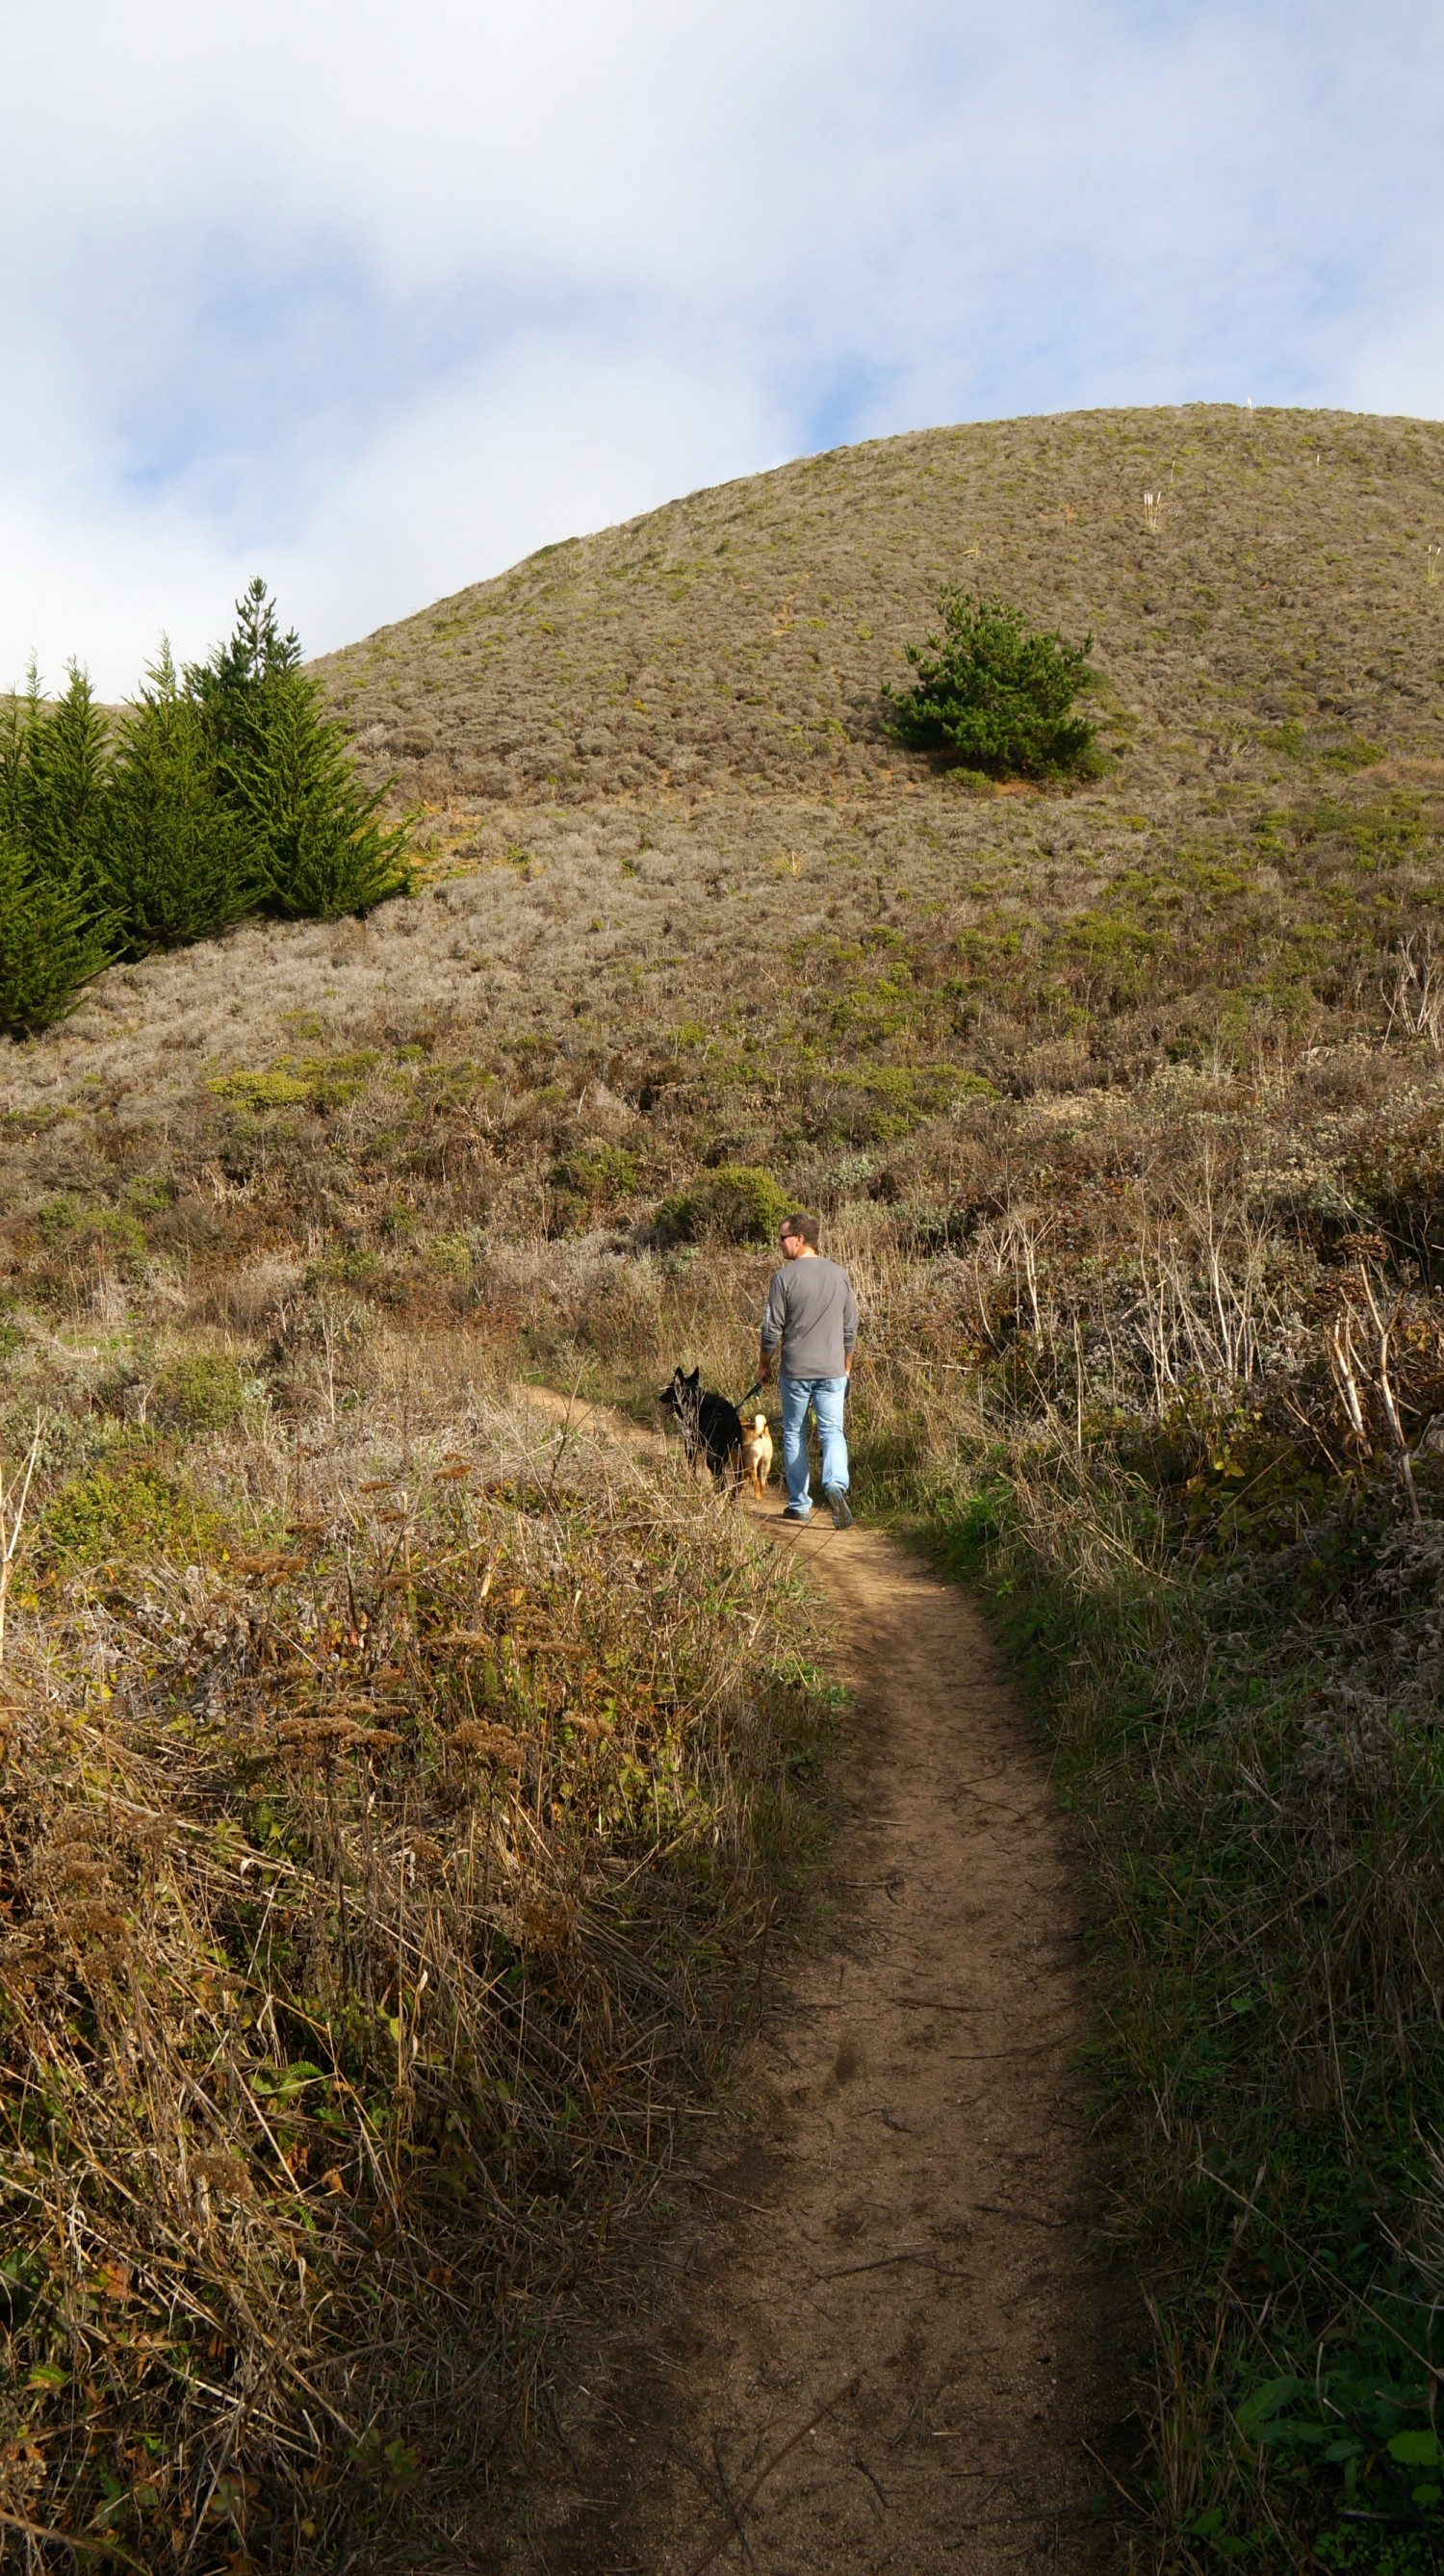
[
  {"x": 836, "y": 1501},
  {"x": 791, "y": 1515}
]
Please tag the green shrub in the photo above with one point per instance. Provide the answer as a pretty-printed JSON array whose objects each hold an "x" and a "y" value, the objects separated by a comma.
[
  {"x": 202, "y": 1392},
  {"x": 125, "y": 1509},
  {"x": 993, "y": 696},
  {"x": 736, "y": 1202},
  {"x": 324, "y": 1082},
  {"x": 49, "y": 946},
  {"x": 597, "y": 1173},
  {"x": 85, "y": 1230},
  {"x": 178, "y": 860},
  {"x": 451, "y": 1256}
]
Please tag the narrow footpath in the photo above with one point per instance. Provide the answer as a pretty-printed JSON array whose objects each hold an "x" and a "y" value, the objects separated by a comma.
[{"x": 885, "y": 2342}]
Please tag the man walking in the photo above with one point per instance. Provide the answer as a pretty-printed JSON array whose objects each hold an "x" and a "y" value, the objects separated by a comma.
[{"x": 811, "y": 1313}]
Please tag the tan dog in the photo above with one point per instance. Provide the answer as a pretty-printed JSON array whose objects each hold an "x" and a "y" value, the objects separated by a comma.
[{"x": 756, "y": 1452}]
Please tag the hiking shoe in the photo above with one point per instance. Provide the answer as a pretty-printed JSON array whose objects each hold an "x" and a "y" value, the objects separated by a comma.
[
  {"x": 836, "y": 1501},
  {"x": 791, "y": 1515}
]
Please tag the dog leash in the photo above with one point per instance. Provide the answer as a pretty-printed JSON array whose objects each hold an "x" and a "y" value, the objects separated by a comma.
[{"x": 754, "y": 1389}]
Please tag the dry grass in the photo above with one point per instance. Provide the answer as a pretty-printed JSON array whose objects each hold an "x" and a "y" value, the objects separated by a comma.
[
  {"x": 742, "y": 636},
  {"x": 382, "y": 1891}
]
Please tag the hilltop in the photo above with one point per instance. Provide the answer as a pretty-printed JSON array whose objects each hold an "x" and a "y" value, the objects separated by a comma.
[{"x": 741, "y": 637}]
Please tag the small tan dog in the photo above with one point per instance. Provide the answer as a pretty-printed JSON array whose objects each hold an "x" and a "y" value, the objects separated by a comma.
[{"x": 756, "y": 1452}]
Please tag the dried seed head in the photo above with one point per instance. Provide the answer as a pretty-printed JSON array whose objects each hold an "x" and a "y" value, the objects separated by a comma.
[
  {"x": 77, "y": 1868},
  {"x": 223, "y": 2173},
  {"x": 78, "y": 1825},
  {"x": 495, "y": 1744},
  {"x": 544, "y": 1924}
]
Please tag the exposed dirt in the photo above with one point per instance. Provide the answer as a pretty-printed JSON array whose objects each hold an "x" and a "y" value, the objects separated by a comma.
[{"x": 883, "y": 2343}]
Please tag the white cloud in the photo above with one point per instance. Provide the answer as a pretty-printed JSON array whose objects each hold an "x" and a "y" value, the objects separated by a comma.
[{"x": 377, "y": 301}]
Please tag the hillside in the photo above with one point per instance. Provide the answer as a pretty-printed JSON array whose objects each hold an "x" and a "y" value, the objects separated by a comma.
[
  {"x": 740, "y": 637},
  {"x": 1124, "y": 1105}
]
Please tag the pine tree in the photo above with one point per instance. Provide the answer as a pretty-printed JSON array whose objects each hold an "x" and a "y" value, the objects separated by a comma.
[
  {"x": 178, "y": 859},
  {"x": 54, "y": 764},
  {"x": 17, "y": 726},
  {"x": 288, "y": 771},
  {"x": 49, "y": 946},
  {"x": 995, "y": 696}
]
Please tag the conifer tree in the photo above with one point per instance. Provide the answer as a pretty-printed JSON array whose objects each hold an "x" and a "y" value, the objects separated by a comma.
[
  {"x": 17, "y": 724},
  {"x": 995, "y": 696},
  {"x": 49, "y": 944},
  {"x": 288, "y": 770},
  {"x": 178, "y": 859},
  {"x": 54, "y": 762}
]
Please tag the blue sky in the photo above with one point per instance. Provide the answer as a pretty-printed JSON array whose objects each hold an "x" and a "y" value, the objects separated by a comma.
[{"x": 376, "y": 301}]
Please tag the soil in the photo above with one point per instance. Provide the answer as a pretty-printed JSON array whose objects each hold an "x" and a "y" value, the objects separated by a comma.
[{"x": 882, "y": 2338}]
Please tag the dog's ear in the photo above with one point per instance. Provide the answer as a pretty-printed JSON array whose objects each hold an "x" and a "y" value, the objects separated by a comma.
[{"x": 694, "y": 1380}]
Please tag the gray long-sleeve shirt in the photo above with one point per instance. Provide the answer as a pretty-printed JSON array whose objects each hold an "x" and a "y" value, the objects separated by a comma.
[{"x": 812, "y": 1312}]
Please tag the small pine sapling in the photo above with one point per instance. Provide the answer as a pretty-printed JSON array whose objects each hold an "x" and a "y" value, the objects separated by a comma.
[
  {"x": 994, "y": 696},
  {"x": 178, "y": 859}
]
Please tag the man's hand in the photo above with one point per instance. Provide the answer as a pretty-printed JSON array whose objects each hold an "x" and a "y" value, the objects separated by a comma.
[
  {"x": 764, "y": 1369},
  {"x": 847, "y": 1364}
]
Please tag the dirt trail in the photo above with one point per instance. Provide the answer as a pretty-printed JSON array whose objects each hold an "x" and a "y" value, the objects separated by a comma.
[{"x": 882, "y": 2345}]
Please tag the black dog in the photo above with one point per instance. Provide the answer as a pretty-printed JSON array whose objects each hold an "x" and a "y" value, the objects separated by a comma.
[{"x": 711, "y": 1427}]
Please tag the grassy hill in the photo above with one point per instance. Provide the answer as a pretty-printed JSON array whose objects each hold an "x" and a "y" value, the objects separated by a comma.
[
  {"x": 1125, "y": 1105},
  {"x": 740, "y": 637}
]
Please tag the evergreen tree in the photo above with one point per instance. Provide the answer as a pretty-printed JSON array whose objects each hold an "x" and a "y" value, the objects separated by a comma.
[
  {"x": 993, "y": 695},
  {"x": 20, "y": 717},
  {"x": 49, "y": 945},
  {"x": 288, "y": 770},
  {"x": 54, "y": 764},
  {"x": 178, "y": 859}
]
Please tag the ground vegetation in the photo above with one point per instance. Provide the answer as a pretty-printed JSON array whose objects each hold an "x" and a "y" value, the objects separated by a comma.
[{"x": 1122, "y": 1098}]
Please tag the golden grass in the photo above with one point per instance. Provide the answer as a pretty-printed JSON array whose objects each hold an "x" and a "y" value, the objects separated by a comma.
[{"x": 381, "y": 1891}]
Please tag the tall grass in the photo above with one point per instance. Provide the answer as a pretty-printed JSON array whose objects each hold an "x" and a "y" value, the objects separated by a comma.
[{"x": 386, "y": 1860}]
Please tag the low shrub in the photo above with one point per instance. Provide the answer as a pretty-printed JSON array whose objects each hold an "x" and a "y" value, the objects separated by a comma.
[
  {"x": 131, "y": 1505},
  {"x": 325, "y": 2079},
  {"x": 734, "y": 1204},
  {"x": 597, "y": 1173},
  {"x": 204, "y": 1391}
]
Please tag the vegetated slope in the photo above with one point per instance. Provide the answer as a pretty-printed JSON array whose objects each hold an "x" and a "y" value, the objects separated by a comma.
[
  {"x": 1124, "y": 1103},
  {"x": 743, "y": 634}
]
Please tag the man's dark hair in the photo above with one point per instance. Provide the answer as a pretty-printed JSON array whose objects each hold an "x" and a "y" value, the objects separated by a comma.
[{"x": 803, "y": 1226}]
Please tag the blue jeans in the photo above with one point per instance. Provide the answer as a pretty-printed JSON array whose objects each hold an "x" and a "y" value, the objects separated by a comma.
[{"x": 824, "y": 1396}]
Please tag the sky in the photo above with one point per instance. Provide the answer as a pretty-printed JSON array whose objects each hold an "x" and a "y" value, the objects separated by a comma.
[{"x": 376, "y": 300}]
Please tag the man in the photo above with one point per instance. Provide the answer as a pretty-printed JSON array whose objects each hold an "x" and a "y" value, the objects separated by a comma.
[{"x": 811, "y": 1313}]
